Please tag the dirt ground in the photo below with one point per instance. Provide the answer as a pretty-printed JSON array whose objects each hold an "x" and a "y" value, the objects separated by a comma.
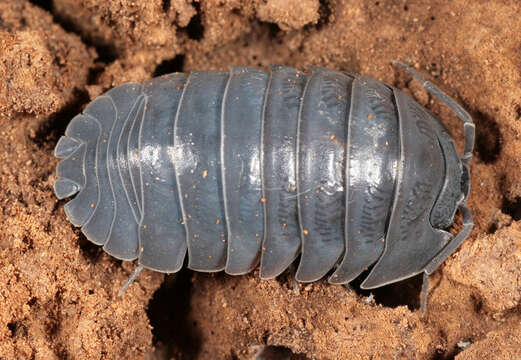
[{"x": 58, "y": 292}]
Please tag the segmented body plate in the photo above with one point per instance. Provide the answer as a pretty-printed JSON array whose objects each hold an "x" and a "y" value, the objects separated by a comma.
[{"x": 246, "y": 167}]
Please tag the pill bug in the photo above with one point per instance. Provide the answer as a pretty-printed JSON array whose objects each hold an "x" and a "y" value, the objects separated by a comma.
[{"x": 245, "y": 167}]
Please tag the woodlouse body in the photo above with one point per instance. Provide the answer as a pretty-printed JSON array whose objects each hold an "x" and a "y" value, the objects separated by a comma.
[{"x": 245, "y": 166}]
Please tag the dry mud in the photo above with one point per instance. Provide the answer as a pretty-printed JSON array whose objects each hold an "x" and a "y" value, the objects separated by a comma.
[{"x": 58, "y": 293}]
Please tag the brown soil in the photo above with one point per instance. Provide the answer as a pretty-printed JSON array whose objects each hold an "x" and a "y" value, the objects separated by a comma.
[{"x": 58, "y": 292}]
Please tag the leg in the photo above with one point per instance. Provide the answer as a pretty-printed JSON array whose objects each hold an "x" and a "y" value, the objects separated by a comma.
[
  {"x": 468, "y": 123},
  {"x": 349, "y": 288},
  {"x": 425, "y": 292},
  {"x": 468, "y": 223},
  {"x": 293, "y": 272},
  {"x": 130, "y": 280}
]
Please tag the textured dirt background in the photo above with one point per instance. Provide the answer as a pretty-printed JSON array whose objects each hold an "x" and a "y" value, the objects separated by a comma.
[{"x": 58, "y": 293}]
